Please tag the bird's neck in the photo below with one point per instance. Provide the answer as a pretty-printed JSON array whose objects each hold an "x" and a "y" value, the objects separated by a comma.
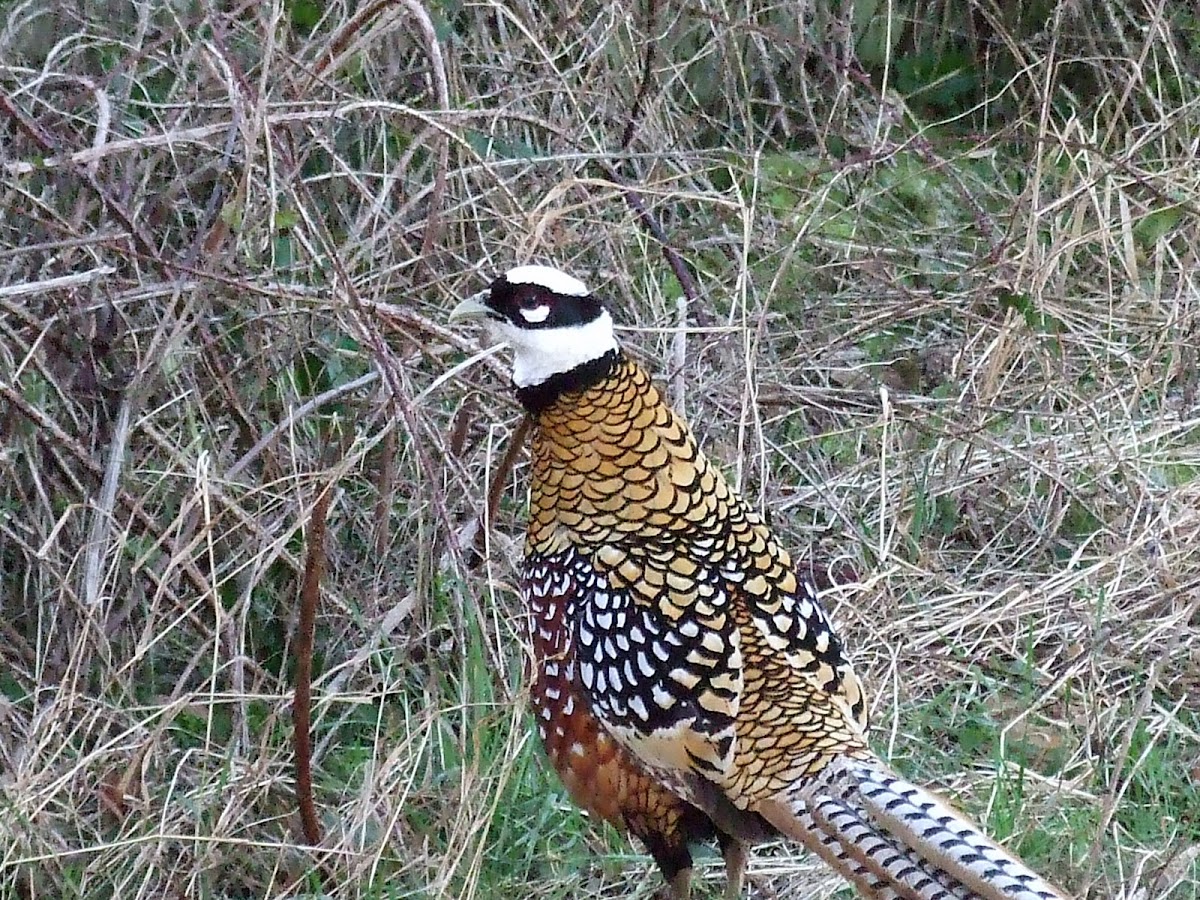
[
  {"x": 615, "y": 454},
  {"x": 539, "y": 397}
]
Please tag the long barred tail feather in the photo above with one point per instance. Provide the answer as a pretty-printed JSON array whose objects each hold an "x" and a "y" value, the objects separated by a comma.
[
  {"x": 896, "y": 841},
  {"x": 946, "y": 838},
  {"x": 876, "y": 865}
]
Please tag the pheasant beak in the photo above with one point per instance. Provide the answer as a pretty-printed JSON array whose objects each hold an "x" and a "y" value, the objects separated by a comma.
[{"x": 474, "y": 307}]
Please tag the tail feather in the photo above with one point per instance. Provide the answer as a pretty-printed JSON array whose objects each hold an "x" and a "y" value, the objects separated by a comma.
[
  {"x": 894, "y": 870},
  {"x": 945, "y": 838},
  {"x": 896, "y": 841}
]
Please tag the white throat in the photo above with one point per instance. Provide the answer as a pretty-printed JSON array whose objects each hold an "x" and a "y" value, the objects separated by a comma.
[{"x": 541, "y": 353}]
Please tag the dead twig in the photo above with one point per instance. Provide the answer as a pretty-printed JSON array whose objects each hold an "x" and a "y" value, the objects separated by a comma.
[{"x": 310, "y": 593}]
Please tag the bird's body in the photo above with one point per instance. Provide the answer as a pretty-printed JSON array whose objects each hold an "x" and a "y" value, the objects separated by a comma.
[
  {"x": 600, "y": 774},
  {"x": 689, "y": 683}
]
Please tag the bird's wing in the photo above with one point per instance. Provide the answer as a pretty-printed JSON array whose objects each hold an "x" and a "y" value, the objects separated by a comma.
[
  {"x": 668, "y": 703},
  {"x": 708, "y": 655},
  {"x": 658, "y": 654}
]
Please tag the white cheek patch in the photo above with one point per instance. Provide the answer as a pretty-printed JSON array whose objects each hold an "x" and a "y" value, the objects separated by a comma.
[
  {"x": 536, "y": 315},
  {"x": 541, "y": 353}
]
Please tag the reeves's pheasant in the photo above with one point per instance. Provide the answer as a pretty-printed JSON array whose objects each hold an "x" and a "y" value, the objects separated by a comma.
[{"x": 688, "y": 683}]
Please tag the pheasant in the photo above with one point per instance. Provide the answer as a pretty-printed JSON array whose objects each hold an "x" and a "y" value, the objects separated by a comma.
[{"x": 688, "y": 683}]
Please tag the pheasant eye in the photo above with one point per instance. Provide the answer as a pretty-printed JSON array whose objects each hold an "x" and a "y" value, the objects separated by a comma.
[{"x": 535, "y": 314}]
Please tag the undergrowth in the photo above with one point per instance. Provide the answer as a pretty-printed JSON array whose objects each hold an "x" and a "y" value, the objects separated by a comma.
[{"x": 944, "y": 331}]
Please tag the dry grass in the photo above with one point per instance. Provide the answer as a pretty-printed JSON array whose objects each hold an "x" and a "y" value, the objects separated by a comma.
[{"x": 960, "y": 354}]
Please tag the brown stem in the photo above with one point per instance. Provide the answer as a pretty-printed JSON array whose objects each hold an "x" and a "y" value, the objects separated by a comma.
[
  {"x": 635, "y": 112},
  {"x": 310, "y": 591},
  {"x": 507, "y": 464}
]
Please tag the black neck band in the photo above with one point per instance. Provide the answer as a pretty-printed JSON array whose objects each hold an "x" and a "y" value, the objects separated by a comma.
[{"x": 537, "y": 397}]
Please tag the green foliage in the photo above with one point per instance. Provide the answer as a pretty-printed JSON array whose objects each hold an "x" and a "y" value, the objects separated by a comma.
[
  {"x": 1037, "y": 321},
  {"x": 1161, "y": 788},
  {"x": 305, "y": 14}
]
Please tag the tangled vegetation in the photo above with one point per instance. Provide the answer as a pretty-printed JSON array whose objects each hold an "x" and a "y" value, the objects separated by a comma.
[{"x": 929, "y": 291}]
